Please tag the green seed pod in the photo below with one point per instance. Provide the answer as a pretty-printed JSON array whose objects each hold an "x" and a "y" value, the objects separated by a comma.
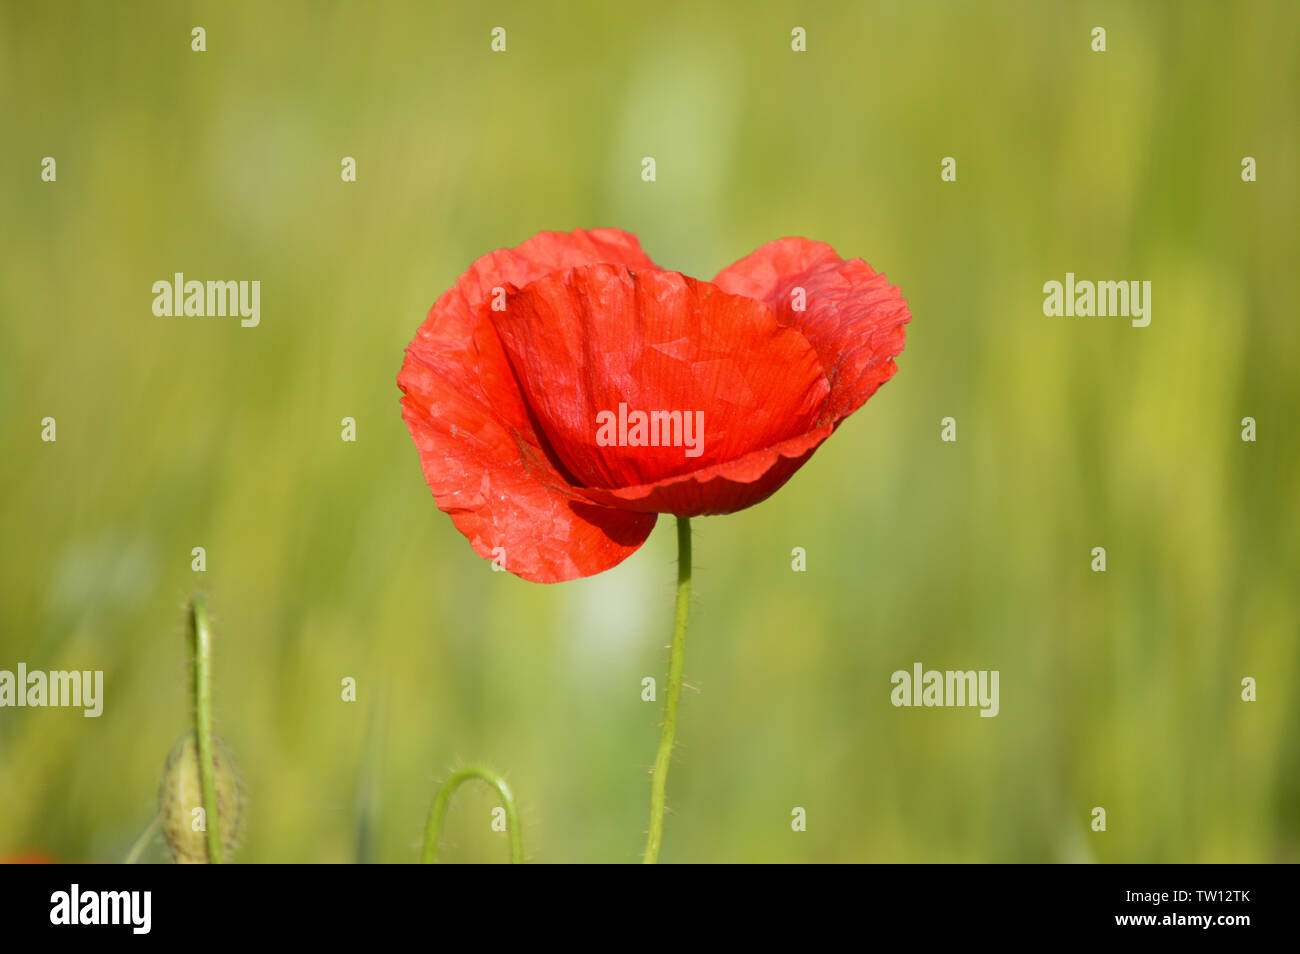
[{"x": 181, "y": 794}]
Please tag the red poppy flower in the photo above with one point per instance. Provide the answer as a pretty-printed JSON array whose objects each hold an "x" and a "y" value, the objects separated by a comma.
[{"x": 565, "y": 392}]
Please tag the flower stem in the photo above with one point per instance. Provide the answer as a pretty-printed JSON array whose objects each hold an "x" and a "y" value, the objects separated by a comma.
[
  {"x": 439, "y": 811},
  {"x": 659, "y": 780},
  {"x": 202, "y": 640},
  {"x": 137, "y": 849}
]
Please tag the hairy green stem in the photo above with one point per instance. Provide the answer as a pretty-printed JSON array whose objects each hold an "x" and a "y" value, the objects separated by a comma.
[
  {"x": 202, "y": 646},
  {"x": 438, "y": 813},
  {"x": 659, "y": 780}
]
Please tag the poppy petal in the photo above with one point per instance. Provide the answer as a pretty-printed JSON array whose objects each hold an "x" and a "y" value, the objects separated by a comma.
[
  {"x": 482, "y": 458},
  {"x": 850, "y": 313},
  {"x": 637, "y": 377},
  {"x": 722, "y": 488}
]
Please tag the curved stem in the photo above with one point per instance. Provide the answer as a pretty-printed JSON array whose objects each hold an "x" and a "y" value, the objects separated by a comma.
[
  {"x": 438, "y": 813},
  {"x": 137, "y": 849},
  {"x": 659, "y": 780},
  {"x": 202, "y": 640}
]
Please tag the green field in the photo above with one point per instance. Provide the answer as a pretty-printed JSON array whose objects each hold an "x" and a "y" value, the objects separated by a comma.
[{"x": 328, "y": 559}]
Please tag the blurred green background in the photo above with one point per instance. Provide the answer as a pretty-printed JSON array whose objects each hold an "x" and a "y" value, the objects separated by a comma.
[{"x": 329, "y": 559}]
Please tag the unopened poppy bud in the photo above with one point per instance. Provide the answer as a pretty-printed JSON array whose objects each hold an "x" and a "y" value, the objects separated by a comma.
[{"x": 180, "y": 801}]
